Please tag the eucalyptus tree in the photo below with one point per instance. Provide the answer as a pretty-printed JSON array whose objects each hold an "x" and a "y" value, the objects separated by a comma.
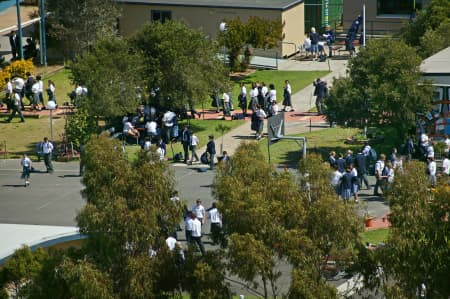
[{"x": 269, "y": 218}]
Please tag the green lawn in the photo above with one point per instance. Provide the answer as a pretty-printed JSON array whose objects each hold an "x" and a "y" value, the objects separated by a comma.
[
  {"x": 63, "y": 85},
  {"x": 297, "y": 79},
  {"x": 21, "y": 137},
  {"x": 375, "y": 236},
  {"x": 322, "y": 141}
]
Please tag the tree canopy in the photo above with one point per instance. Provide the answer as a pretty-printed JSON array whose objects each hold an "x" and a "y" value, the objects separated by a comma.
[
  {"x": 179, "y": 62},
  {"x": 417, "y": 250},
  {"x": 382, "y": 88},
  {"x": 78, "y": 25},
  {"x": 112, "y": 74},
  {"x": 256, "y": 32},
  {"x": 270, "y": 220},
  {"x": 428, "y": 32}
]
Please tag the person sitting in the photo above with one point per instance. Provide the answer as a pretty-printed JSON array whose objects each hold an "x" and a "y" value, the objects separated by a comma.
[
  {"x": 152, "y": 128},
  {"x": 130, "y": 130}
]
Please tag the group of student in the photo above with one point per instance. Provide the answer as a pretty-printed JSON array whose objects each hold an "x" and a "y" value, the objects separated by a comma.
[
  {"x": 31, "y": 88},
  {"x": 316, "y": 48}
]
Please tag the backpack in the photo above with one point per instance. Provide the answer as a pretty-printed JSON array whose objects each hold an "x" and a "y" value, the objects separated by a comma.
[
  {"x": 372, "y": 154},
  {"x": 204, "y": 158}
]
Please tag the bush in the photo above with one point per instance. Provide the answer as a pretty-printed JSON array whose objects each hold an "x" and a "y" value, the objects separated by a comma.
[{"x": 16, "y": 68}]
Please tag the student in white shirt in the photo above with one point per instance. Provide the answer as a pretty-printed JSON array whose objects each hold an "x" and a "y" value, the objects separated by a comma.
[
  {"x": 47, "y": 150},
  {"x": 216, "y": 223},
  {"x": 446, "y": 166},
  {"x": 26, "y": 169},
  {"x": 196, "y": 233},
  {"x": 199, "y": 211}
]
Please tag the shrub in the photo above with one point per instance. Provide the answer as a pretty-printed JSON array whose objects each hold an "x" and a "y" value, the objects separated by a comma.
[{"x": 16, "y": 68}]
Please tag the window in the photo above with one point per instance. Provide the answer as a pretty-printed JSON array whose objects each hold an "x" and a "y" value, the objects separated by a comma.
[
  {"x": 395, "y": 7},
  {"x": 161, "y": 15}
]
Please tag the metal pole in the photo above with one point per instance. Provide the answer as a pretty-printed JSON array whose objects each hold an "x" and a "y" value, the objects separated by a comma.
[
  {"x": 364, "y": 25},
  {"x": 19, "y": 29},
  {"x": 43, "y": 39},
  {"x": 51, "y": 125}
]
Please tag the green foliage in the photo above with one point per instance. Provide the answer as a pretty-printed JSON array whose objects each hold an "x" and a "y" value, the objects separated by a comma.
[
  {"x": 21, "y": 268},
  {"x": 128, "y": 213},
  {"x": 179, "y": 61},
  {"x": 112, "y": 74},
  {"x": 79, "y": 127},
  {"x": 424, "y": 32},
  {"x": 417, "y": 249},
  {"x": 77, "y": 26},
  {"x": 435, "y": 40},
  {"x": 304, "y": 286},
  {"x": 382, "y": 89},
  {"x": 204, "y": 276},
  {"x": 272, "y": 218},
  {"x": 256, "y": 32}
]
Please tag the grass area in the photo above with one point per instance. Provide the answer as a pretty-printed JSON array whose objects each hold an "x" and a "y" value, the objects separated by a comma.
[
  {"x": 322, "y": 141},
  {"x": 22, "y": 137},
  {"x": 375, "y": 236},
  {"x": 297, "y": 79},
  {"x": 63, "y": 85},
  {"x": 202, "y": 128}
]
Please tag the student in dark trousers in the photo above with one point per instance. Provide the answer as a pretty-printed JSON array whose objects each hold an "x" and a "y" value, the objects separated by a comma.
[{"x": 211, "y": 150}]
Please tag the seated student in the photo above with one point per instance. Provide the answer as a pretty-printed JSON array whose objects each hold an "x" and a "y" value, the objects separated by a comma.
[
  {"x": 130, "y": 130},
  {"x": 152, "y": 128}
]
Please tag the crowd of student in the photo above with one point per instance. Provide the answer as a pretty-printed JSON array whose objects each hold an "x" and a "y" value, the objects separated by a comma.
[
  {"x": 350, "y": 171},
  {"x": 30, "y": 88},
  {"x": 194, "y": 221}
]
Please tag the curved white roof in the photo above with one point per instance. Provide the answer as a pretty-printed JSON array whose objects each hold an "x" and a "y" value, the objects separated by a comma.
[{"x": 15, "y": 236}]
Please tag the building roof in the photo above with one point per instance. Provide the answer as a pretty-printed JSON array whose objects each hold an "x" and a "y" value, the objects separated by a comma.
[
  {"x": 247, "y": 4},
  {"x": 439, "y": 63},
  {"x": 14, "y": 236}
]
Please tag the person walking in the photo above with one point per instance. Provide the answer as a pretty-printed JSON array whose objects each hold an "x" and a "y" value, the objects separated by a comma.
[
  {"x": 186, "y": 141},
  {"x": 196, "y": 233},
  {"x": 26, "y": 169},
  {"x": 193, "y": 146},
  {"x": 242, "y": 98},
  {"x": 379, "y": 166},
  {"x": 8, "y": 94},
  {"x": 51, "y": 92},
  {"x": 320, "y": 91},
  {"x": 287, "y": 97},
  {"x": 47, "y": 150},
  {"x": 14, "y": 43},
  {"x": 211, "y": 150},
  {"x": 216, "y": 223},
  {"x": 16, "y": 106}
]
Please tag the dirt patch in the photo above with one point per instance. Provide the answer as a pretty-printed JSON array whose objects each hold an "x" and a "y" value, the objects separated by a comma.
[{"x": 236, "y": 76}]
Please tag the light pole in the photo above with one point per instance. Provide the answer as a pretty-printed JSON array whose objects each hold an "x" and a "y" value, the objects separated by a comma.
[
  {"x": 43, "y": 43},
  {"x": 51, "y": 105},
  {"x": 19, "y": 29},
  {"x": 223, "y": 28}
]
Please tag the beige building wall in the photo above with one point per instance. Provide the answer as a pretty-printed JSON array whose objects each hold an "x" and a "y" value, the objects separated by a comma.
[
  {"x": 375, "y": 24},
  {"x": 208, "y": 19},
  {"x": 294, "y": 28}
]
